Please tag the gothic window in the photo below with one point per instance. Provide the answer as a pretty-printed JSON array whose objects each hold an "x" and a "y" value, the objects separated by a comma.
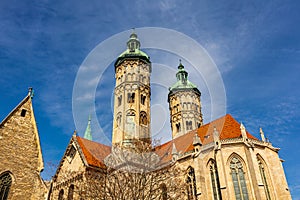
[
  {"x": 191, "y": 184},
  {"x": 130, "y": 97},
  {"x": 61, "y": 194},
  {"x": 143, "y": 118},
  {"x": 164, "y": 193},
  {"x": 189, "y": 125},
  {"x": 262, "y": 171},
  {"x": 119, "y": 100},
  {"x": 178, "y": 127},
  {"x": 143, "y": 99},
  {"x": 215, "y": 181},
  {"x": 5, "y": 183},
  {"x": 71, "y": 192},
  {"x": 238, "y": 179}
]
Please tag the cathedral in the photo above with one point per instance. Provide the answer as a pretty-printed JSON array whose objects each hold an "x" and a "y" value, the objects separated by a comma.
[{"x": 217, "y": 160}]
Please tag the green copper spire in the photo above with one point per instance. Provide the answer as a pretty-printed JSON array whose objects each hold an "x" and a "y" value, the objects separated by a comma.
[
  {"x": 182, "y": 80},
  {"x": 88, "y": 132},
  {"x": 133, "y": 50}
]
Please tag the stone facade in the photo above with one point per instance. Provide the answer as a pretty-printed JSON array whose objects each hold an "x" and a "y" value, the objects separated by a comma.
[{"x": 21, "y": 155}]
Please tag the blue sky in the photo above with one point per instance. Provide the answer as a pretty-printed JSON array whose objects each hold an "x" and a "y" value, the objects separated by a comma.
[{"x": 255, "y": 45}]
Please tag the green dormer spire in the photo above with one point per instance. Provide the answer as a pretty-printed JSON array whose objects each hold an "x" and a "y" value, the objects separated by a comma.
[{"x": 88, "y": 132}]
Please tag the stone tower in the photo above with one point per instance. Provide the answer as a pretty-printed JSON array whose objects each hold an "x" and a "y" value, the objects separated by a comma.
[
  {"x": 184, "y": 104},
  {"x": 132, "y": 95}
]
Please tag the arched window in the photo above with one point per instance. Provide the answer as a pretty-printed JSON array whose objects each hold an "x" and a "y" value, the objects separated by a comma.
[
  {"x": 178, "y": 127},
  {"x": 5, "y": 183},
  {"x": 71, "y": 192},
  {"x": 164, "y": 193},
  {"x": 119, "y": 100},
  {"x": 61, "y": 194},
  {"x": 214, "y": 176},
  {"x": 191, "y": 184},
  {"x": 263, "y": 175},
  {"x": 143, "y": 99},
  {"x": 238, "y": 179}
]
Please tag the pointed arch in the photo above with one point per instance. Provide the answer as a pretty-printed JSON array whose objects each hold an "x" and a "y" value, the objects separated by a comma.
[
  {"x": 191, "y": 183},
  {"x": 214, "y": 178},
  {"x": 5, "y": 184},
  {"x": 264, "y": 173},
  {"x": 237, "y": 171},
  {"x": 143, "y": 118}
]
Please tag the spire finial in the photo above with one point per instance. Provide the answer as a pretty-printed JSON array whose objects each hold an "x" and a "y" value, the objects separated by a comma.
[
  {"x": 180, "y": 66},
  {"x": 262, "y": 134},
  {"x": 30, "y": 92},
  {"x": 88, "y": 132},
  {"x": 243, "y": 130}
]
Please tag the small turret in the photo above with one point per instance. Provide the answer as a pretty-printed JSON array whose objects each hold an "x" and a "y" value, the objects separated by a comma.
[{"x": 88, "y": 131}]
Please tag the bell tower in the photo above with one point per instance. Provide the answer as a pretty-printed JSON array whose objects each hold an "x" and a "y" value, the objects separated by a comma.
[
  {"x": 184, "y": 104},
  {"x": 132, "y": 96}
]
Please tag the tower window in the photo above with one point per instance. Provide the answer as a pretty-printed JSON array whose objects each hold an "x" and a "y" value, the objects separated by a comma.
[
  {"x": 238, "y": 179},
  {"x": 5, "y": 183},
  {"x": 178, "y": 127},
  {"x": 143, "y": 99},
  {"x": 23, "y": 112},
  {"x": 143, "y": 118},
  {"x": 119, "y": 100},
  {"x": 189, "y": 125},
  {"x": 130, "y": 97}
]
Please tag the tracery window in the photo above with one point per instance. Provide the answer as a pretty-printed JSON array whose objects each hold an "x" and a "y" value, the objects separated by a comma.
[
  {"x": 71, "y": 192},
  {"x": 238, "y": 179},
  {"x": 264, "y": 178},
  {"x": 5, "y": 183},
  {"x": 191, "y": 184},
  {"x": 61, "y": 194},
  {"x": 214, "y": 176}
]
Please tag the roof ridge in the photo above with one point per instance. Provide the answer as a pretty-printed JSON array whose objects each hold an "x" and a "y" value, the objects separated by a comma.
[{"x": 14, "y": 109}]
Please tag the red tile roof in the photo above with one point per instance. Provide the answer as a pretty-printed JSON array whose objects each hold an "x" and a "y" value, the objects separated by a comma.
[
  {"x": 227, "y": 127},
  {"x": 93, "y": 152}
]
